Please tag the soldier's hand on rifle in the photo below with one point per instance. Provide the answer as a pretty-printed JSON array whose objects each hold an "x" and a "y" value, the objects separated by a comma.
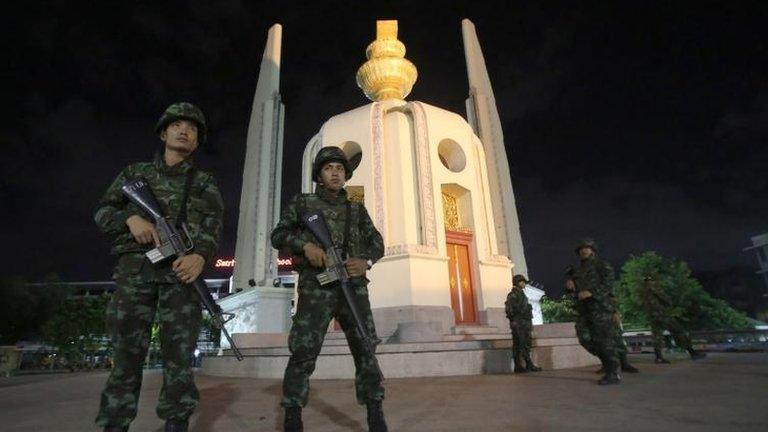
[
  {"x": 616, "y": 318},
  {"x": 315, "y": 254},
  {"x": 142, "y": 230},
  {"x": 583, "y": 295},
  {"x": 188, "y": 267},
  {"x": 569, "y": 285},
  {"x": 356, "y": 266}
]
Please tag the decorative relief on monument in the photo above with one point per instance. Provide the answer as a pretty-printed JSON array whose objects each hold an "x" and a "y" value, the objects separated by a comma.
[
  {"x": 425, "y": 176},
  {"x": 356, "y": 194},
  {"x": 405, "y": 249},
  {"x": 377, "y": 144},
  {"x": 451, "y": 214}
]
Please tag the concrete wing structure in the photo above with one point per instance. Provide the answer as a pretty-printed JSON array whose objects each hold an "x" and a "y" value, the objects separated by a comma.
[
  {"x": 259, "y": 198},
  {"x": 260, "y": 307},
  {"x": 484, "y": 118}
]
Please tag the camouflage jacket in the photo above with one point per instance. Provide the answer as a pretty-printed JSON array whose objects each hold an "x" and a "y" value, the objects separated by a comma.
[
  {"x": 596, "y": 276},
  {"x": 205, "y": 209},
  {"x": 517, "y": 306},
  {"x": 289, "y": 234}
]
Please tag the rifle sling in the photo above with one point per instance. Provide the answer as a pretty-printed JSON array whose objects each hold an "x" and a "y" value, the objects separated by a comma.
[
  {"x": 181, "y": 218},
  {"x": 347, "y": 227}
]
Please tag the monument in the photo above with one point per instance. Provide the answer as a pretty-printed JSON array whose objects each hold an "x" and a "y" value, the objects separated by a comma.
[
  {"x": 438, "y": 188},
  {"x": 440, "y": 195}
]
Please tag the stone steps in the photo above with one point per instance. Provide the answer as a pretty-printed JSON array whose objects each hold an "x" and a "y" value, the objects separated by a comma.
[{"x": 475, "y": 352}]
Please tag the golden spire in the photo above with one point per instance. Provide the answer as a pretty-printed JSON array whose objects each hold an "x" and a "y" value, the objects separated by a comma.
[{"x": 386, "y": 74}]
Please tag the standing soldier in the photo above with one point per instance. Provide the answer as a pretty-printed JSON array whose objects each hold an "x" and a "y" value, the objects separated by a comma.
[
  {"x": 592, "y": 283},
  {"x": 661, "y": 315},
  {"x": 350, "y": 226},
  {"x": 146, "y": 290},
  {"x": 520, "y": 313}
]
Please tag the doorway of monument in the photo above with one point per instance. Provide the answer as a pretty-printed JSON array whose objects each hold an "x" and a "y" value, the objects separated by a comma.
[{"x": 460, "y": 278}]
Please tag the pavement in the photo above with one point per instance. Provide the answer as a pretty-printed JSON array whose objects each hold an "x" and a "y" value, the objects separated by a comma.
[{"x": 724, "y": 392}]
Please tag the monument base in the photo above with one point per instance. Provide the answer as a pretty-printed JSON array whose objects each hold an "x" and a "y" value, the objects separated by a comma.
[{"x": 258, "y": 310}]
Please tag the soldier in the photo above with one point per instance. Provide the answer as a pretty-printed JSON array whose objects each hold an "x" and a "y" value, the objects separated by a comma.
[
  {"x": 146, "y": 290},
  {"x": 351, "y": 227},
  {"x": 520, "y": 313},
  {"x": 662, "y": 314},
  {"x": 592, "y": 283}
]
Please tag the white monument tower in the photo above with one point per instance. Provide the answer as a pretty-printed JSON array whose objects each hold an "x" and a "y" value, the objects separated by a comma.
[
  {"x": 259, "y": 306},
  {"x": 423, "y": 174}
]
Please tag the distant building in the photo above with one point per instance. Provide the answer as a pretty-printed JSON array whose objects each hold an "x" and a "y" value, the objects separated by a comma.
[{"x": 760, "y": 246}]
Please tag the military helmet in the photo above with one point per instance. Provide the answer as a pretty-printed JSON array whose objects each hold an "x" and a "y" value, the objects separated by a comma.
[
  {"x": 516, "y": 280},
  {"x": 184, "y": 111},
  {"x": 586, "y": 243},
  {"x": 330, "y": 154}
]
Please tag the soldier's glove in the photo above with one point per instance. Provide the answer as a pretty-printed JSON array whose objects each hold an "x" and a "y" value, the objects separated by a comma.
[
  {"x": 583, "y": 295},
  {"x": 616, "y": 318}
]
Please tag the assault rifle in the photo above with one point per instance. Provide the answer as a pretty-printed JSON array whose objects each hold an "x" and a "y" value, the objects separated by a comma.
[
  {"x": 176, "y": 243},
  {"x": 336, "y": 271}
]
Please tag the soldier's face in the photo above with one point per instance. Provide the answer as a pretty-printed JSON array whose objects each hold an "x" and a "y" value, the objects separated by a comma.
[
  {"x": 180, "y": 136},
  {"x": 333, "y": 176},
  {"x": 586, "y": 252},
  {"x": 521, "y": 284}
]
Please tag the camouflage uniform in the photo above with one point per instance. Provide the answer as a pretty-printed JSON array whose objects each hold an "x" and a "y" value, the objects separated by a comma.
[
  {"x": 595, "y": 327},
  {"x": 520, "y": 313},
  {"x": 318, "y": 304},
  {"x": 661, "y": 315},
  {"x": 145, "y": 291}
]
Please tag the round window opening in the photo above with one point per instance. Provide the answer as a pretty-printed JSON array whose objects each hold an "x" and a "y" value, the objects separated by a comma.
[
  {"x": 354, "y": 153},
  {"x": 451, "y": 155}
]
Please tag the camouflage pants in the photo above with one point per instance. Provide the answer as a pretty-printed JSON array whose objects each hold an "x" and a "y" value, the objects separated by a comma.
[
  {"x": 597, "y": 332},
  {"x": 586, "y": 341},
  {"x": 316, "y": 306},
  {"x": 129, "y": 320},
  {"x": 679, "y": 334},
  {"x": 522, "y": 338}
]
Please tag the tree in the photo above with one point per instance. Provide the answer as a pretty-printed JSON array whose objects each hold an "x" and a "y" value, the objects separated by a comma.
[
  {"x": 699, "y": 309},
  {"x": 24, "y": 307},
  {"x": 554, "y": 311},
  {"x": 78, "y": 327}
]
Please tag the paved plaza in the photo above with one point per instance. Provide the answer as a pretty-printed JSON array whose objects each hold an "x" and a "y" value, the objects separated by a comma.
[{"x": 724, "y": 392}]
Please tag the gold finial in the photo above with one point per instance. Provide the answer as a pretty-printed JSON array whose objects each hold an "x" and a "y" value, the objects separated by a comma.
[{"x": 386, "y": 74}]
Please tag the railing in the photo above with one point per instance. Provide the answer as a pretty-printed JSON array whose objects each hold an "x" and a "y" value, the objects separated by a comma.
[{"x": 706, "y": 340}]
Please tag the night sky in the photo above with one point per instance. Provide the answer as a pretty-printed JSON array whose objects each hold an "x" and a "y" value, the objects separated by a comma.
[{"x": 642, "y": 124}]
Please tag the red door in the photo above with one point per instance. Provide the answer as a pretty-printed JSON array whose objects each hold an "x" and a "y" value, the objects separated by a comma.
[{"x": 460, "y": 278}]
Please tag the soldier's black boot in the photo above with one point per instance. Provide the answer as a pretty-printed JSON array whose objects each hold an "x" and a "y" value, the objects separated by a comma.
[
  {"x": 659, "y": 357},
  {"x": 116, "y": 429},
  {"x": 519, "y": 364},
  {"x": 602, "y": 365},
  {"x": 612, "y": 376},
  {"x": 176, "y": 425},
  {"x": 625, "y": 366},
  {"x": 529, "y": 366},
  {"x": 696, "y": 355},
  {"x": 376, "y": 421},
  {"x": 293, "y": 421}
]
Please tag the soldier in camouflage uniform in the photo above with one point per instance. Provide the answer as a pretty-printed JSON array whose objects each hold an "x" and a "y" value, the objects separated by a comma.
[
  {"x": 146, "y": 290},
  {"x": 318, "y": 304},
  {"x": 592, "y": 283},
  {"x": 661, "y": 315},
  {"x": 520, "y": 313}
]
